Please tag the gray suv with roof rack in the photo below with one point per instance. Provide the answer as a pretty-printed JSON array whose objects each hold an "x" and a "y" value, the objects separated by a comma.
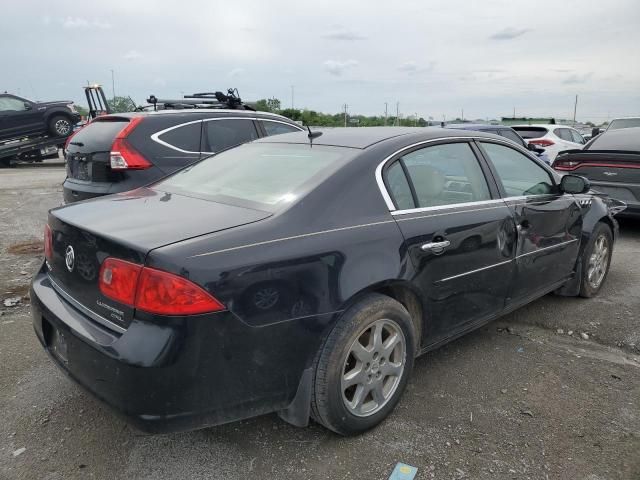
[{"x": 120, "y": 152}]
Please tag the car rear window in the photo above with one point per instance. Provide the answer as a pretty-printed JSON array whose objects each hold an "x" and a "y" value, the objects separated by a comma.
[
  {"x": 621, "y": 140},
  {"x": 259, "y": 175},
  {"x": 98, "y": 135},
  {"x": 531, "y": 132},
  {"x": 624, "y": 123}
]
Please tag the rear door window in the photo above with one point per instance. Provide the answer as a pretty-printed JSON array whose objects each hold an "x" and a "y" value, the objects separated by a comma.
[
  {"x": 445, "y": 175},
  {"x": 577, "y": 138},
  {"x": 513, "y": 136},
  {"x": 184, "y": 137},
  {"x": 399, "y": 187},
  {"x": 226, "y": 133},
  {"x": 564, "y": 134},
  {"x": 277, "y": 128},
  {"x": 520, "y": 175}
]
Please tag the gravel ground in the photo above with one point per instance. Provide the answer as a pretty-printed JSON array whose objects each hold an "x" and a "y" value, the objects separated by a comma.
[{"x": 519, "y": 398}]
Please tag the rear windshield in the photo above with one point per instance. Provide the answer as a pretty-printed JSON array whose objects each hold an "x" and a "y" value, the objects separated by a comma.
[
  {"x": 531, "y": 132},
  {"x": 258, "y": 175},
  {"x": 98, "y": 135},
  {"x": 620, "y": 140},
  {"x": 624, "y": 123}
]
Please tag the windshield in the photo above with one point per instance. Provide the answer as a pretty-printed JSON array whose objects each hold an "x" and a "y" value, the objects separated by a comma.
[
  {"x": 258, "y": 175},
  {"x": 624, "y": 123}
]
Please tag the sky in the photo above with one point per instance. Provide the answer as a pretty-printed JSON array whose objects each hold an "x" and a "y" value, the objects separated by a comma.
[{"x": 435, "y": 58}]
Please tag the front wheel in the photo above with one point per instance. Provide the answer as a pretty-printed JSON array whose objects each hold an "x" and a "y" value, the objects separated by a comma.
[
  {"x": 60, "y": 126},
  {"x": 596, "y": 260},
  {"x": 363, "y": 368}
]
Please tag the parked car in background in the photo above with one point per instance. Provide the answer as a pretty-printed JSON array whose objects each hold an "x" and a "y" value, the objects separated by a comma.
[
  {"x": 611, "y": 162},
  {"x": 119, "y": 152},
  {"x": 168, "y": 302},
  {"x": 627, "y": 122},
  {"x": 506, "y": 132},
  {"x": 20, "y": 117},
  {"x": 553, "y": 138}
]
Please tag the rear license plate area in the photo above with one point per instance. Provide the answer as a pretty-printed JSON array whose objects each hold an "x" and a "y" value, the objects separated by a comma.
[
  {"x": 79, "y": 169},
  {"x": 55, "y": 340}
]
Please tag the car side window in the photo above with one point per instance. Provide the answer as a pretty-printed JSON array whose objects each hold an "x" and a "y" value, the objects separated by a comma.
[
  {"x": 577, "y": 138},
  {"x": 276, "y": 128},
  {"x": 513, "y": 136},
  {"x": 185, "y": 137},
  {"x": 445, "y": 175},
  {"x": 222, "y": 134},
  {"x": 8, "y": 104},
  {"x": 519, "y": 174},
  {"x": 564, "y": 134},
  {"x": 399, "y": 187}
]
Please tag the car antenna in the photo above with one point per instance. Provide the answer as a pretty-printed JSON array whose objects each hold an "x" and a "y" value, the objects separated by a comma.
[{"x": 312, "y": 135}]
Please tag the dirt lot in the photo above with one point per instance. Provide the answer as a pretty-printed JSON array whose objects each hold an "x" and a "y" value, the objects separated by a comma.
[{"x": 520, "y": 398}]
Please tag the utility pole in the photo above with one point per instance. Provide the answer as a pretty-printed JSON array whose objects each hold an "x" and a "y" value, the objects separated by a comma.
[
  {"x": 415, "y": 116},
  {"x": 345, "y": 114},
  {"x": 292, "y": 88},
  {"x": 385, "y": 113},
  {"x": 113, "y": 85},
  {"x": 575, "y": 108},
  {"x": 463, "y": 114},
  {"x": 514, "y": 113},
  {"x": 397, "y": 122}
]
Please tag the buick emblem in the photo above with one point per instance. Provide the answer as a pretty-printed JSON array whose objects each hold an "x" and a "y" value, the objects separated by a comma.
[{"x": 69, "y": 258}]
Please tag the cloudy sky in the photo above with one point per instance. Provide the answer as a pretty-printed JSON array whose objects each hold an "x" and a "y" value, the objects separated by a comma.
[{"x": 433, "y": 57}]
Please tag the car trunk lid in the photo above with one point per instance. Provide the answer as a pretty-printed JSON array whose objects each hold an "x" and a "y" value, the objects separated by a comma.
[{"x": 85, "y": 234}]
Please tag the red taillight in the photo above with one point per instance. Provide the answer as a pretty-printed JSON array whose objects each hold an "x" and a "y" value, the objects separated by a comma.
[
  {"x": 123, "y": 155},
  {"x": 167, "y": 294},
  {"x": 48, "y": 242},
  {"x": 119, "y": 279},
  {"x": 542, "y": 142},
  {"x": 154, "y": 291}
]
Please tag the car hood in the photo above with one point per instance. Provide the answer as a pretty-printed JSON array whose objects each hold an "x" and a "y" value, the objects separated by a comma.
[
  {"x": 55, "y": 103},
  {"x": 145, "y": 219}
]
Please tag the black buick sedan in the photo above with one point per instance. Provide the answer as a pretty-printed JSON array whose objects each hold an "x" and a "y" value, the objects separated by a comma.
[{"x": 302, "y": 274}]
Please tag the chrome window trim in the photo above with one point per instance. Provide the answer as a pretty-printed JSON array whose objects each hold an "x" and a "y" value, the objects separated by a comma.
[
  {"x": 387, "y": 197},
  {"x": 447, "y": 207},
  {"x": 156, "y": 136},
  {"x": 88, "y": 312}
]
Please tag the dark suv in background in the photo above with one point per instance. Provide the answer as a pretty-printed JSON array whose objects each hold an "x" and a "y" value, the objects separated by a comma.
[
  {"x": 120, "y": 152},
  {"x": 20, "y": 117}
]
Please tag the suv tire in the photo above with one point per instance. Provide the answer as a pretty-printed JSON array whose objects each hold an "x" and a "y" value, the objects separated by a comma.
[{"x": 60, "y": 126}]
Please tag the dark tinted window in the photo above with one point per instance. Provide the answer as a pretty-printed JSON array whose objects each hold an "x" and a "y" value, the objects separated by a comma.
[
  {"x": 276, "y": 128},
  {"x": 222, "y": 134},
  {"x": 627, "y": 139},
  {"x": 399, "y": 187},
  {"x": 513, "y": 136},
  {"x": 446, "y": 174},
  {"x": 98, "y": 135},
  {"x": 185, "y": 137},
  {"x": 519, "y": 174},
  {"x": 531, "y": 132}
]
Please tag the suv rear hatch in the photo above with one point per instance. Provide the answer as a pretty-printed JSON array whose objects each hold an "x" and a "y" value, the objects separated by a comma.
[
  {"x": 84, "y": 234},
  {"x": 531, "y": 132}
]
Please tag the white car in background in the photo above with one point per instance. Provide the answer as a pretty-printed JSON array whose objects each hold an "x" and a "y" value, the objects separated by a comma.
[{"x": 553, "y": 138}]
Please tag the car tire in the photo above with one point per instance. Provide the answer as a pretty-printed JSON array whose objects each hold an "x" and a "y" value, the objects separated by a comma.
[
  {"x": 356, "y": 386},
  {"x": 60, "y": 126},
  {"x": 596, "y": 260}
]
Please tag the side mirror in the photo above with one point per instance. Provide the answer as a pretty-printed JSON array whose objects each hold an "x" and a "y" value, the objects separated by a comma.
[
  {"x": 27, "y": 106},
  {"x": 574, "y": 184}
]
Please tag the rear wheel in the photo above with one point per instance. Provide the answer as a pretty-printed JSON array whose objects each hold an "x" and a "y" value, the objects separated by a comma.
[
  {"x": 363, "y": 368},
  {"x": 60, "y": 126},
  {"x": 596, "y": 260}
]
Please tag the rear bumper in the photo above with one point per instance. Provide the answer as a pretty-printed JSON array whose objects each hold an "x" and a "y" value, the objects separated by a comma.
[
  {"x": 173, "y": 374},
  {"x": 76, "y": 191}
]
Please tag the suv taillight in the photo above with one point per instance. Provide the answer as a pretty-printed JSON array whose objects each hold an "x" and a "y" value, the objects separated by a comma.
[
  {"x": 154, "y": 291},
  {"x": 123, "y": 155},
  {"x": 542, "y": 142},
  {"x": 48, "y": 242}
]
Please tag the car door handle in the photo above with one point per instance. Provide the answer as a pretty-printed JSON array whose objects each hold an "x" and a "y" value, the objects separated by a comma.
[{"x": 435, "y": 247}]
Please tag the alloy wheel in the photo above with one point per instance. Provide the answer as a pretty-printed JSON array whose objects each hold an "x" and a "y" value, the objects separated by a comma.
[
  {"x": 598, "y": 261},
  {"x": 373, "y": 368},
  {"x": 62, "y": 127}
]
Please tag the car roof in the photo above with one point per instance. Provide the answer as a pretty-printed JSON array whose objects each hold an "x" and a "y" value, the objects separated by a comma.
[
  {"x": 201, "y": 111},
  {"x": 363, "y": 137},
  {"x": 476, "y": 126}
]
